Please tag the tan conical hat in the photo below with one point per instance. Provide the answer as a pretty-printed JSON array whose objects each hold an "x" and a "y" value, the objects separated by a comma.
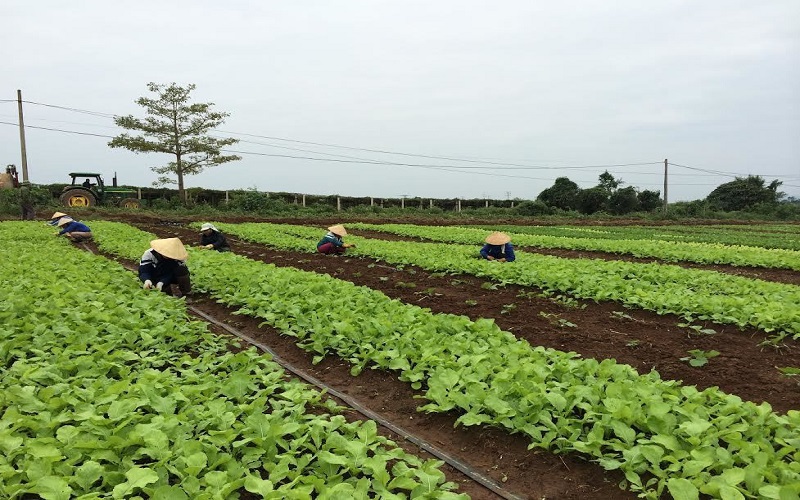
[
  {"x": 64, "y": 221},
  {"x": 171, "y": 248},
  {"x": 58, "y": 215},
  {"x": 498, "y": 238},
  {"x": 338, "y": 229}
]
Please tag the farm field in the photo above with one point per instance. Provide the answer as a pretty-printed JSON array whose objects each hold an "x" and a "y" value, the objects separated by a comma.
[
  {"x": 747, "y": 364},
  {"x": 112, "y": 392}
]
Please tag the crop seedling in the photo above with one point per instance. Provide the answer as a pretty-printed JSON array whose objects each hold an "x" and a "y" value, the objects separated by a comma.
[
  {"x": 457, "y": 282},
  {"x": 698, "y": 329},
  {"x": 489, "y": 286},
  {"x": 621, "y": 315},
  {"x": 790, "y": 373},
  {"x": 508, "y": 308},
  {"x": 556, "y": 320},
  {"x": 383, "y": 278},
  {"x": 429, "y": 292},
  {"x": 567, "y": 301},
  {"x": 700, "y": 357},
  {"x": 403, "y": 284},
  {"x": 774, "y": 341},
  {"x": 633, "y": 343},
  {"x": 471, "y": 302}
]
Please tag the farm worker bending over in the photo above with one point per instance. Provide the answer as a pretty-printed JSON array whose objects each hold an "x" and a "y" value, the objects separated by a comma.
[
  {"x": 56, "y": 217},
  {"x": 332, "y": 242},
  {"x": 74, "y": 230},
  {"x": 212, "y": 238},
  {"x": 498, "y": 247},
  {"x": 164, "y": 264}
]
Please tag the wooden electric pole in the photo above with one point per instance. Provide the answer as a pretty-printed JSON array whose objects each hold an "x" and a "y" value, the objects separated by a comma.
[
  {"x": 666, "y": 163},
  {"x": 22, "y": 138}
]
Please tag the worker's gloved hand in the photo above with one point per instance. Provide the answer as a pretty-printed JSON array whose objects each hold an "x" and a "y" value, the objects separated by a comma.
[
  {"x": 209, "y": 246},
  {"x": 147, "y": 285},
  {"x": 159, "y": 286}
]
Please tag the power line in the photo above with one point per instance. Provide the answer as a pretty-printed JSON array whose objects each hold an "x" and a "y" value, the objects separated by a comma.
[
  {"x": 438, "y": 167},
  {"x": 75, "y": 110},
  {"x": 466, "y": 160},
  {"x": 59, "y": 130},
  {"x": 719, "y": 172},
  {"x": 375, "y": 162}
]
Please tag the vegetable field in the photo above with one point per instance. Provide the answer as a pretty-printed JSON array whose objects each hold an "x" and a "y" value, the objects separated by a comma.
[{"x": 595, "y": 376}]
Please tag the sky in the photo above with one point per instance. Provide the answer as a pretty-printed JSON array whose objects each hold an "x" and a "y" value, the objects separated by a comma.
[{"x": 463, "y": 99}]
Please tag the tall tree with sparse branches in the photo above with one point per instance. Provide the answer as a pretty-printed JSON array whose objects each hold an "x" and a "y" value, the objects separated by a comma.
[{"x": 178, "y": 127}]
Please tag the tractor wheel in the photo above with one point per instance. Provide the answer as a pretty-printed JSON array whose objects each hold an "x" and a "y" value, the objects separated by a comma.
[
  {"x": 78, "y": 198},
  {"x": 130, "y": 203}
]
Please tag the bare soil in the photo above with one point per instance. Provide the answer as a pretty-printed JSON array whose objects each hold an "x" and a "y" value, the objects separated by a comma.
[{"x": 642, "y": 339}]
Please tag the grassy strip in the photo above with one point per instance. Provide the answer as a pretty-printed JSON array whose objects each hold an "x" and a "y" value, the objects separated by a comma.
[
  {"x": 111, "y": 391},
  {"x": 662, "y": 435}
]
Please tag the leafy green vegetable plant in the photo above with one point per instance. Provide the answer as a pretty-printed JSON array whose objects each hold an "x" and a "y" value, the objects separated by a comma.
[{"x": 700, "y": 357}]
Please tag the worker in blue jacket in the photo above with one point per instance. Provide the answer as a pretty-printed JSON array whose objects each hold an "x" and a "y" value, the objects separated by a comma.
[
  {"x": 74, "y": 230},
  {"x": 498, "y": 248},
  {"x": 332, "y": 243},
  {"x": 163, "y": 264}
]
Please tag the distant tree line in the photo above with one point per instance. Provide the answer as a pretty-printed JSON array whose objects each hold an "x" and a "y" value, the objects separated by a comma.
[{"x": 744, "y": 194}]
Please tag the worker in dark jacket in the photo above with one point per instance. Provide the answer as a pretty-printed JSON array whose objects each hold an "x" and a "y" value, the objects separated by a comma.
[
  {"x": 163, "y": 264},
  {"x": 332, "y": 243},
  {"x": 212, "y": 239},
  {"x": 498, "y": 248},
  {"x": 74, "y": 230}
]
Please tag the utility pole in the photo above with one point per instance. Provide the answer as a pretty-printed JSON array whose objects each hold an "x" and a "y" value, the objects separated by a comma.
[
  {"x": 22, "y": 138},
  {"x": 666, "y": 163}
]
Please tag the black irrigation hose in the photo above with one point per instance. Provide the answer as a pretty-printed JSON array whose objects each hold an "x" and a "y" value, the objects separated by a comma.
[{"x": 454, "y": 462}]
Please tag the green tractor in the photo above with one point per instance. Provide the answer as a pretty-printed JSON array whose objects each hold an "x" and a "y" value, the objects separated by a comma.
[{"x": 90, "y": 194}]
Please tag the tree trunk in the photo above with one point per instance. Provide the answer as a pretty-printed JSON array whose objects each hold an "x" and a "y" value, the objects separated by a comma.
[{"x": 179, "y": 171}]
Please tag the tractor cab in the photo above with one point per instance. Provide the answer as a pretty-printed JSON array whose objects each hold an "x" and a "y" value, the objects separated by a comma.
[{"x": 90, "y": 181}]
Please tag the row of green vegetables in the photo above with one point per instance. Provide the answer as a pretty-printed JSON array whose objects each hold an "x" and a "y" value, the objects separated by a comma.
[
  {"x": 661, "y": 435},
  {"x": 671, "y": 251},
  {"x": 110, "y": 391},
  {"x": 690, "y": 293},
  {"x": 765, "y": 236}
]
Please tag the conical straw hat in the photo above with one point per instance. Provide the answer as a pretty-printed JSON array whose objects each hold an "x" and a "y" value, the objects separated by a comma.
[
  {"x": 498, "y": 238},
  {"x": 208, "y": 225},
  {"x": 64, "y": 221},
  {"x": 171, "y": 248},
  {"x": 58, "y": 215},
  {"x": 338, "y": 229}
]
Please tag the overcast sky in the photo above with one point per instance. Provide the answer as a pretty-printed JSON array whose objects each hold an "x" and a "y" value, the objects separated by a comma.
[{"x": 713, "y": 85}]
